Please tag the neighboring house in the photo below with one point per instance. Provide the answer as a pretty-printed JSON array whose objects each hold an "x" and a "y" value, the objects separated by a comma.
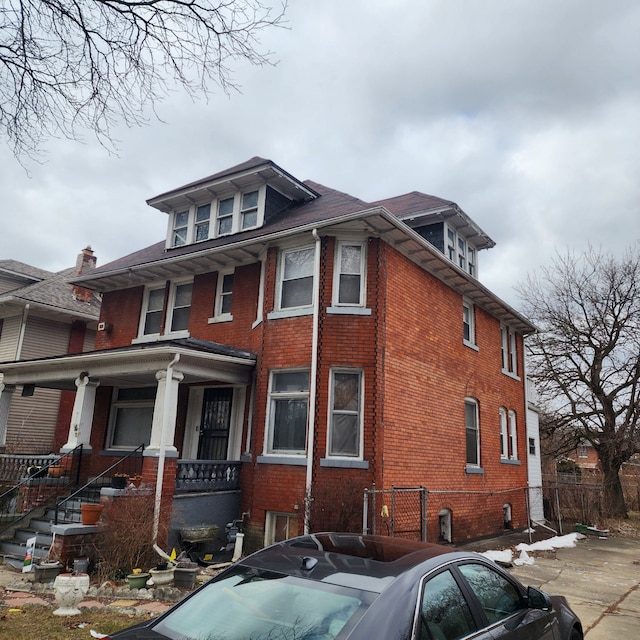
[
  {"x": 534, "y": 458},
  {"x": 41, "y": 314},
  {"x": 312, "y": 343}
]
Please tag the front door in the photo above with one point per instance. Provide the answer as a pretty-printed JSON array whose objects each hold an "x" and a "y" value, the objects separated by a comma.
[{"x": 214, "y": 423}]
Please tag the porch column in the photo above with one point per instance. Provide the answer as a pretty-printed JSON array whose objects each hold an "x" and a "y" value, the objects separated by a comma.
[
  {"x": 6, "y": 393},
  {"x": 82, "y": 414},
  {"x": 164, "y": 414}
]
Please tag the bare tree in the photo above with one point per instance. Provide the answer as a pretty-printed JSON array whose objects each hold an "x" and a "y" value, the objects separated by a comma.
[
  {"x": 69, "y": 65},
  {"x": 585, "y": 359}
]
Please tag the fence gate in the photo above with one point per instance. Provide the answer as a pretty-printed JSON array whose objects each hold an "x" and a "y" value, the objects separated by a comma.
[{"x": 396, "y": 512}]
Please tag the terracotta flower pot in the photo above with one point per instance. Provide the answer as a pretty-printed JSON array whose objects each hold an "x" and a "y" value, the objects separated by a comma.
[
  {"x": 56, "y": 471},
  {"x": 91, "y": 513}
]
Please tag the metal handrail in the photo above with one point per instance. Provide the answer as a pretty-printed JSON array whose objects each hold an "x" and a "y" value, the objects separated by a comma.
[
  {"x": 95, "y": 481},
  {"x": 25, "y": 485}
]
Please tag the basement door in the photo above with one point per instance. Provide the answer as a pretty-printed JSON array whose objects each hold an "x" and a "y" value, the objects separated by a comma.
[{"x": 215, "y": 423}]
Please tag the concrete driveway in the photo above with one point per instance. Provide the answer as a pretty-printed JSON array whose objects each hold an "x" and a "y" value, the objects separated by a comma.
[{"x": 600, "y": 578}]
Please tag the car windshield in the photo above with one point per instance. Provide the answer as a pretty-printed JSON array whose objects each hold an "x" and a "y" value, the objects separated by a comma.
[{"x": 248, "y": 604}]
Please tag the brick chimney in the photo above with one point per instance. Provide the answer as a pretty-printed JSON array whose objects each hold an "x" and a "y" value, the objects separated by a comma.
[{"x": 85, "y": 262}]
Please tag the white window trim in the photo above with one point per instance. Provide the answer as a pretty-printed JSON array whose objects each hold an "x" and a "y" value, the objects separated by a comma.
[
  {"x": 113, "y": 410},
  {"x": 513, "y": 436},
  {"x": 289, "y": 311},
  {"x": 330, "y": 412},
  {"x": 457, "y": 256},
  {"x": 467, "y": 304},
  {"x": 170, "y": 307},
  {"x": 336, "y": 274},
  {"x": 509, "y": 351},
  {"x": 477, "y": 413},
  {"x": 504, "y": 435},
  {"x": 218, "y": 316},
  {"x": 268, "y": 432},
  {"x": 270, "y": 523},
  {"x": 145, "y": 308},
  {"x": 236, "y": 218}
]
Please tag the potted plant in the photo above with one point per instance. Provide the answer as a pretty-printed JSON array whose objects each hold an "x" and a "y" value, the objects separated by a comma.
[
  {"x": 137, "y": 579},
  {"x": 162, "y": 574},
  {"x": 56, "y": 471},
  {"x": 119, "y": 481},
  {"x": 91, "y": 512}
]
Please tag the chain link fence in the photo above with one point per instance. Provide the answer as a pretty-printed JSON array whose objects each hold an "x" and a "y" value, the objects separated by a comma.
[{"x": 418, "y": 513}]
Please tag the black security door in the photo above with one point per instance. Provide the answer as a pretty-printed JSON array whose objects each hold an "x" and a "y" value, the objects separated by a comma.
[{"x": 215, "y": 423}]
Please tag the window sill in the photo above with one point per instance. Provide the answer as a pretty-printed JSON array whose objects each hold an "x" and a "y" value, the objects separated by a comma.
[
  {"x": 509, "y": 461},
  {"x": 471, "y": 345},
  {"x": 349, "y": 311},
  {"x": 300, "y": 461},
  {"x": 510, "y": 374},
  {"x": 474, "y": 470},
  {"x": 176, "y": 335},
  {"x": 227, "y": 317},
  {"x": 290, "y": 313},
  {"x": 344, "y": 463}
]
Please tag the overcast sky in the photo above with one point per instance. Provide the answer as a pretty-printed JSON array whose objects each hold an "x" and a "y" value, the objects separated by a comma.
[{"x": 526, "y": 114}]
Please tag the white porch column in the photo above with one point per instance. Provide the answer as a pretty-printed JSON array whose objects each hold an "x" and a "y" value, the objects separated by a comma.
[
  {"x": 164, "y": 414},
  {"x": 82, "y": 415},
  {"x": 6, "y": 393}
]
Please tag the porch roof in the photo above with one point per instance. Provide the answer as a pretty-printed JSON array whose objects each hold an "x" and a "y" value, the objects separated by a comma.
[{"x": 136, "y": 365}]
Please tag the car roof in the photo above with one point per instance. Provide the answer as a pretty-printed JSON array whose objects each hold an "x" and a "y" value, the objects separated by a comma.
[{"x": 360, "y": 561}]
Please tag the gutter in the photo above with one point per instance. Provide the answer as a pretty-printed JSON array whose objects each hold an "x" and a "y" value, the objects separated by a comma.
[{"x": 313, "y": 382}]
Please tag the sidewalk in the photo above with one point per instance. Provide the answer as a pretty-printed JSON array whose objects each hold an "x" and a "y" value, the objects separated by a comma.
[{"x": 599, "y": 577}]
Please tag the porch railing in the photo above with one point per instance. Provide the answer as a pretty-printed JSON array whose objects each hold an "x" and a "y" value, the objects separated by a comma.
[
  {"x": 31, "y": 482},
  {"x": 207, "y": 475}
]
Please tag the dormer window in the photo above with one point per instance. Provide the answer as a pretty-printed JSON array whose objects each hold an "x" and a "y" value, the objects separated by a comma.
[
  {"x": 460, "y": 251},
  {"x": 222, "y": 216}
]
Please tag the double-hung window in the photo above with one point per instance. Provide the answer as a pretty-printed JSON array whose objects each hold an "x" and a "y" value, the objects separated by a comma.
[
  {"x": 509, "y": 352},
  {"x": 157, "y": 319},
  {"x": 349, "y": 279},
  {"x": 468, "y": 323},
  {"x": 288, "y": 411},
  {"x": 345, "y": 429},
  {"x": 203, "y": 216},
  {"x": 225, "y": 216},
  {"x": 461, "y": 252},
  {"x": 296, "y": 278},
  {"x": 131, "y": 417},
  {"x": 249, "y": 210},
  {"x": 508, "y": 435},
  {"x": 180, "y": 306},
  {"x": 472, "y": 432},
  {"x": 513, "y": 436},
  {"x": 180, "y": 228},
  {"x": 504, "y": 434},
  {"x": 154, "y": 307},
  {"x": 224, "y": 296}
]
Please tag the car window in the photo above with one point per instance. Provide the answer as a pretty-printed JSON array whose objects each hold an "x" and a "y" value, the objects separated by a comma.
[
  {"x": 445, "y": 612},
  {"x": 498, "y": 597},
  {"x": 246, "y": 603}
]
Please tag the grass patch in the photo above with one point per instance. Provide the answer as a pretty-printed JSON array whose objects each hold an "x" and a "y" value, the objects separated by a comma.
[{"x": 37, "y": 622}]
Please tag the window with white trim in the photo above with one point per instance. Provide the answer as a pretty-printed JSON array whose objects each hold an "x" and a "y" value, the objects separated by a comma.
[
  {"x": 203, "y": 217},
  {"x": 180, "y": 228},
  {"x": 582, "y": 451},
  {"x": 349, "y": 274},
  {"x": 249, "y": 210},
  {"x": 472, "y": 428},
  {"x": 345, "y": 428},
  {"x": 468, "y": 323},
  {"x": 532, "y": 446},
  {"x": 504, "y": 434},
  {"x": 131, "y": 417},
  {"x": 460, "y": 251},
  {"x": 225, "y": 217},
  {"x": 224, "y": 296},
  {"x": 288, "y": 412},
  {"x": 513, "y": 435},
  {"x": 156, "y": 319},
  {"x": 296, "y": 278},
  {"x": 279, "y": 527},
  {"x": 509, "y": 350}
]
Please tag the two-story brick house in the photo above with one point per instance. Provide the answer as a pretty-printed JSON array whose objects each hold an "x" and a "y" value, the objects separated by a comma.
[{"x": 321, "y": 344}]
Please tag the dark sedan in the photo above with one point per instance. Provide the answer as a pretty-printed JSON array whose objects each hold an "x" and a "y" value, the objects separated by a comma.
[{"x": 335, "y": 585}]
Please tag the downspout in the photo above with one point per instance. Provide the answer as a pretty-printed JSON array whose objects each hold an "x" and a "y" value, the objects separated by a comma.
[
  {"x": 313, "y": 380},
  {"x": 163, "y": 446},
  {"x": 23, "y": 328}
]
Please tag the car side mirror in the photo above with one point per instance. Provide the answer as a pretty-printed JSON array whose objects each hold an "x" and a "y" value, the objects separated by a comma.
[{"x": 537, "y": 599}]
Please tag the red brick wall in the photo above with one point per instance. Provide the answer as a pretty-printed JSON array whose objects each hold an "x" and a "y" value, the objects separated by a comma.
[{"x": 121, "y": 309}]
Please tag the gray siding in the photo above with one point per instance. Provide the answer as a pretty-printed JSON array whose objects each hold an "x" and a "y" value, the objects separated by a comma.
[
  {"x": 32, "y": 421},
  {"x": 44, "y": 338},
  {"x": 8, "y": 284},
  {"x": 89, "y": 340},
  {"x": 9, "y": 338}
]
